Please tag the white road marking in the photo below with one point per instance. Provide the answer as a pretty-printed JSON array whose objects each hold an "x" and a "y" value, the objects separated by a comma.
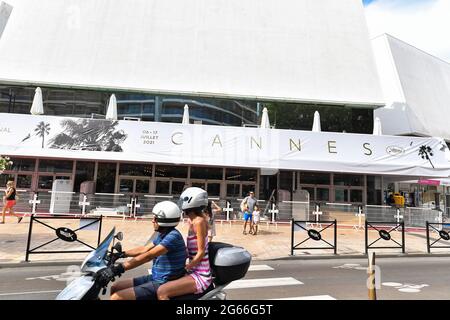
[
  {"x": 30, "y": 292},
  {"x": 351, "y": 266},
  {"x": 392, "y": 284},
  {"x": 322, "y": 297},
  {"x": 260, "y": 267},
  {"x": 406, "y": 290},
  {"x": 264, "y": 282},
  {"x": 407, "y": 287}
]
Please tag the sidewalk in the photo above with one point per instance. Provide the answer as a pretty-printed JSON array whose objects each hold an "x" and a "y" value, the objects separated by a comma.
[{"x": 272, "y": 241}]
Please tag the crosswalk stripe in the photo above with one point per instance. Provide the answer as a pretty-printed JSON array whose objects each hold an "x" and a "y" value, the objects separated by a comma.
[
  {"x": 322, "y": 297},
  {"x": 263, "y": 282},
  {"x": 260, "y": 267}
]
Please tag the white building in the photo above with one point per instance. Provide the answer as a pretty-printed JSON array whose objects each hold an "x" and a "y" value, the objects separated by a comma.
[
  {"x": 416, "y": 87},
  {"x": 225, "y": 59}
]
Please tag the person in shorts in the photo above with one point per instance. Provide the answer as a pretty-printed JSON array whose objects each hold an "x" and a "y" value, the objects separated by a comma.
[
  {"x": 9, "y": 201},
  {"x": 247, "y": 206},
  {"x": 168, "y": 251},
  {"x": 256, "y": 216}
]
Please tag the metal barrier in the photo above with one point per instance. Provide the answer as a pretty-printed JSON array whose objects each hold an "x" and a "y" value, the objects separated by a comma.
[
  {"x": 63, "y": 233},
  {"x": 442, "y": 232},
  {"x": 418, "y": 217},
  {"x": 384, "y": 235},
  {"x": 313, "y": 234}
]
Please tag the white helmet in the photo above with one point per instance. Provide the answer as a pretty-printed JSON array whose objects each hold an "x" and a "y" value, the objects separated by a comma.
[
  {"x": 193, "y": 198},
  {"x": 167, "y": 214}
]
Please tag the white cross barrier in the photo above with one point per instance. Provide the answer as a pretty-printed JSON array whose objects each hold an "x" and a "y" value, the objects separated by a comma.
[
  {"x": 439, "y": 219},
  {"x": 34, "y": 202},
  {"x": 398, "y": 216},
  {"x": 83, "y": 205},
  {"x": 133, "y": 205},
  {"x": 228, "y": 209},
  {"x": 317, "y": 213},
  {"x": 360, "y": 214}
]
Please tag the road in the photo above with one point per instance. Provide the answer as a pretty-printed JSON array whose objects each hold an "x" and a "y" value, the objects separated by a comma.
[{"x": 401, "y": 279}]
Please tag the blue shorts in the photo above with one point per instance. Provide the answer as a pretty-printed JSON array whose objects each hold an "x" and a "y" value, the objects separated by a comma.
[
  {"x": 145, "y": 288},
  {"x": 247, "y": 216}
]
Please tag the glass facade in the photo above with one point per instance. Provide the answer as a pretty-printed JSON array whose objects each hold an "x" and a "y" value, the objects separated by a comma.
[
  {"x": 171, "y": 180},
  {"x": 297, "y": 116},
  {"x": 142, "y": 106}
]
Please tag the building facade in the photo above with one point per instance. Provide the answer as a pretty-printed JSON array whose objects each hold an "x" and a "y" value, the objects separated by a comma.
[{"x": 226, "y": 60}]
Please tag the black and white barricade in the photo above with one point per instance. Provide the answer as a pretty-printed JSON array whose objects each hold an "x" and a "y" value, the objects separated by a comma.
[
  {"x": 442, "y": 238},
  {"x": 384, "y": 233},
  {"x": 64, "y": 234},
  {"x": 312, "y": 233}
]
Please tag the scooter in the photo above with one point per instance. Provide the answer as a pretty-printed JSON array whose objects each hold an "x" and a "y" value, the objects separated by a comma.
[{"x": 228, "y": 263}]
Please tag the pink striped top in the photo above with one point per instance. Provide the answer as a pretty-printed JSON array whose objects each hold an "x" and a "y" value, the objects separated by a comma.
[{"x": 202, "y": 271}]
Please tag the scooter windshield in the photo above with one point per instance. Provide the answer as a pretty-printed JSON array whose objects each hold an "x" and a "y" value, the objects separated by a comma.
[{"x": 96, "y": 259}]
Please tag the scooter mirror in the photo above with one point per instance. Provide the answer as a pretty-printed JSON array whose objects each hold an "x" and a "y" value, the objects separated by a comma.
[
  {"x": 118, "y": 247},
  {"x": 119, "y": 236}
]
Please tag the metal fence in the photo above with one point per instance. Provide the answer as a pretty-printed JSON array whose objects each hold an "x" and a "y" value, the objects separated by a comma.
[{"x": 125, "y": 206}]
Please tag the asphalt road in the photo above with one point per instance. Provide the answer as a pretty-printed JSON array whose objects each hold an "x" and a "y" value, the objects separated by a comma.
[{"x": 401, "y": 279}]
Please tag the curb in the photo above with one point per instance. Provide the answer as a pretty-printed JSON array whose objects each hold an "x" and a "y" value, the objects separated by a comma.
[
  {"x": 24, "y": 264},
  {"x": 360, "y": 256},
  {"x": 288, "y": 258}
]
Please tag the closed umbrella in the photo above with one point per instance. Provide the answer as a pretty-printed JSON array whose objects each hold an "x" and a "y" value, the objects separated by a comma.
[
  {"x": 111, "y": 113},
  {"x": 185, "y": 115},
  {"x": 265, "y": 123},
  {"x": 377, "y": 127},
  {"x": 37, "y": 107},
  {"x": 316, "y": 124}
]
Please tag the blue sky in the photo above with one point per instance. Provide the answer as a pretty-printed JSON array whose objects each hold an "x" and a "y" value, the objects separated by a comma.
[{"x": 421, "y": 23}]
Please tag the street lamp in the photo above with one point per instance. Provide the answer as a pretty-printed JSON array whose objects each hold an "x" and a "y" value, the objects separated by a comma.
[{"x": 426, "y": 152}]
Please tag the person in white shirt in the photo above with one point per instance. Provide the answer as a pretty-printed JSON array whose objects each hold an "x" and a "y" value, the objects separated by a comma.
[{"x": 256, "y": 217}]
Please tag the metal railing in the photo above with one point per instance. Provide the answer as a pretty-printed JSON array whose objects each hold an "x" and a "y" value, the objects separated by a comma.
[{"x": 140, "y": 207}]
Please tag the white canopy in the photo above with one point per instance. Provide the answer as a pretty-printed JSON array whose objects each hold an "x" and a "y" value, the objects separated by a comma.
[
  {"x": 265, "y": 123},
  {"x": 377, "y": 127},
  {"x": 185, "y": 115},
  {"x": 37, "y": 107},
  {"x": 111, "y": 113},
  {"x": 316, "y": 124}
]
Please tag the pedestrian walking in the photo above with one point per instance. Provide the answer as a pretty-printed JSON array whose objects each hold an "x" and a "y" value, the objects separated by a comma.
[
  {"x": 211, "y": 211},
  {"x": 9, "y": 200},
  {"x": 247, "y": 207}
]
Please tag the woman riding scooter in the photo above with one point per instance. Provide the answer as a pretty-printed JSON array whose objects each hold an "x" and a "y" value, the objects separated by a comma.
[{"x": 198, "y": 279}]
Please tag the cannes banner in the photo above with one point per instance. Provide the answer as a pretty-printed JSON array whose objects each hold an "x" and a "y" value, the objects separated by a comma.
[{"x": 157, "y": 142}]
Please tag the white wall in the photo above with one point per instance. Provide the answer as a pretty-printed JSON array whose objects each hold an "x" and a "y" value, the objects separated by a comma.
[
  {"x": 301, "y": 50},
  {"x": 416, "y": 87}
]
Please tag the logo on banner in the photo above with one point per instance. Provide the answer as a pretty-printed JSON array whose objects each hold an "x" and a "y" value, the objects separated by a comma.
[{"x": 395, "y": 150}]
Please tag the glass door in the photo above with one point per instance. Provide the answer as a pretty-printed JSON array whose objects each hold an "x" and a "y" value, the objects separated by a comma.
[{"x": 134, "y": 186}]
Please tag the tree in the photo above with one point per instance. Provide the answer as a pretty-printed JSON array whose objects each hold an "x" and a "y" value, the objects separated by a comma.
[
  {"x": 42, "y": 130},
  {"x": 92, "y": 135},
  {"x": 4, "y": 163}
]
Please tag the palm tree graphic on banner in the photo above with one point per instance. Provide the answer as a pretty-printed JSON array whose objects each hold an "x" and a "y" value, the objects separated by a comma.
[
  {"x": 90, "y": 135},
  {"x": 42, "y": 130},
  {"x": 426, "y": 153}
]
